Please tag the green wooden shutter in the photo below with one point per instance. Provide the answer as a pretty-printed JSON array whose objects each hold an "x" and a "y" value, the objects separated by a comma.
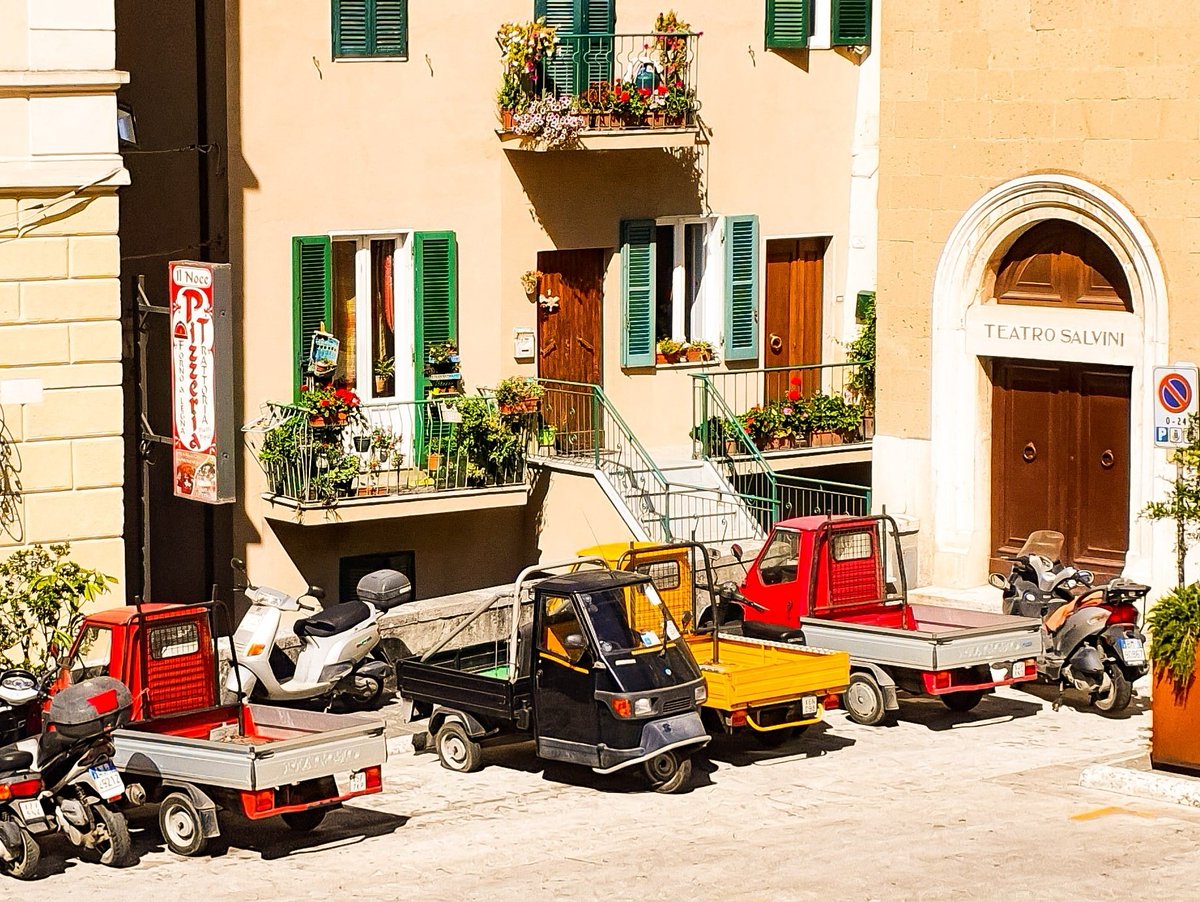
[
  {"x": 599, "y": 20},
  {"x": 638, "y": 296},
  {"x": 851, "y": 23},
  {"x": 789, "y": 23},
  {"x": 741, "y": 288},
  {"x": 311, "y": 297},
  {"x": 560, "y": 71},
  {"x": 436, "y": 294},
  {"x": 391, "y": 28},
  {"x": 351, "y": 28}
]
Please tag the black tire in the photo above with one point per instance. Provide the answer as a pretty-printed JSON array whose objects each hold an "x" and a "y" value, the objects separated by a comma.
[
  {"x": 114, "y": 849},
  {"x": 180, "y": 825},
  {"x": 368, "y": 691},
  {"x": 25, "y": 865},
  {"x": 773, "y": 739},
  {"x": 668, "y": 772},
  {"x": 456, "y": 750},
  {"x": 964, "y": 701},
  {"x": 1117, "y": 699},
  {"x": 864, "y": 700},
  {"x": 305, "y": 821}
]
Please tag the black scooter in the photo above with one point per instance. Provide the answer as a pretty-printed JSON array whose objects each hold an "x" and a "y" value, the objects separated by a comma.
[{"x": 1090, "y": 635}]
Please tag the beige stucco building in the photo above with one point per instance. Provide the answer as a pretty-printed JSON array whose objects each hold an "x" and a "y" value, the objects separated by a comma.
[
  {"x": 1036, "y": 263},
  {"x": 378, "y": 159},
  {"x": 61, "y": 450}
]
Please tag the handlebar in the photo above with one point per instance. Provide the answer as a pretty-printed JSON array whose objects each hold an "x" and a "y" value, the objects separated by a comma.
[{"x": 729, "y": 591}]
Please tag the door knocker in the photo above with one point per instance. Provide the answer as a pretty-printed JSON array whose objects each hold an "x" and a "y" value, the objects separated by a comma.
[
  {"x": 1107, "y": 459},
  {"x": 1029, "y": 454},
  {"x": 776, "y": 343}
]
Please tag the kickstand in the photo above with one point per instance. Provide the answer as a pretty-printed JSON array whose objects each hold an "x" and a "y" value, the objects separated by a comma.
[{"x": 1058, "y": 700}]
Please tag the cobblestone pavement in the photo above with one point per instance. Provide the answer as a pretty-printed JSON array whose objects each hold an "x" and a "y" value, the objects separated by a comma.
[{"x": 978, "y": 806}]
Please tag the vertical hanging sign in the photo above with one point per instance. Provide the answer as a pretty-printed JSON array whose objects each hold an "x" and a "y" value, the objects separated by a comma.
[{"x": 202, "y": 464}]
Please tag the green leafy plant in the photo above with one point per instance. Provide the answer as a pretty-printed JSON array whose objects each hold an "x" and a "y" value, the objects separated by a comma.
[
  {"x": 441, "y": 353},
  {"x": 385, "y": 367},
  {"x": 523, "y": 48},
  {"x": 335, "y": 479},
  {"x": 1174, "y": 624},
  {"x": 42, "y": 595},
  {"x": 670, "y": 348},
  {"x": 546, "y": 434},
  {"x": 1182, "y": 503},
  {"x": 760, "y": 423},
  {"x": 832, "y": 413},
  {"x": 861, "y": 351},
  {"x": 516, "y": 390},
  {"x": 328, "y": 402}
]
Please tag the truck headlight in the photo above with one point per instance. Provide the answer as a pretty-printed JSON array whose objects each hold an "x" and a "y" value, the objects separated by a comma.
[
  {"x": 643, "y": 707},
  {"x": 701, "y": 694}
]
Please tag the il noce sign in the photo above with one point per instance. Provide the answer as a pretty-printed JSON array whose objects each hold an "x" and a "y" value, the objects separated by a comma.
[{"x": 1085, "y": 336}]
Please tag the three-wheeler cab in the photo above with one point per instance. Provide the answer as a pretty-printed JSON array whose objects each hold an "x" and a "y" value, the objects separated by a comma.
[
  {"x": 580, "y": 680},
  {"x": 768, "y": 689},
  {"x": 841, "y": 580}
]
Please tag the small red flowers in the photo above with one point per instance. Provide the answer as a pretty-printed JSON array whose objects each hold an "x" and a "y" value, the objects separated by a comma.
[
  {"x": 662, "y": 89},
  {"x": 795, "y": 380},
  {"x": 793, "y": 394}
]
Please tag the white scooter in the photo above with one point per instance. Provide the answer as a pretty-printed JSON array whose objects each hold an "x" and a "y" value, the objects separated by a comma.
[{"x": 339, "y": 645}]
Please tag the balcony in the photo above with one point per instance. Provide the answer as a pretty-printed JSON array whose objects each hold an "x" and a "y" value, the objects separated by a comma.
[
  {"x": 598, "y": 91},
  {"x": 388, "y": 460}
]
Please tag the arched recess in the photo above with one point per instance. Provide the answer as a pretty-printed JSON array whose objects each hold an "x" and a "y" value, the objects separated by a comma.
[{"x": 960, "y": 421}]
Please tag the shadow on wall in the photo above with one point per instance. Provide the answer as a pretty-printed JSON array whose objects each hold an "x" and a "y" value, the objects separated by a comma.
[
  {"x": 11, "y": 524},
  {"x": 578, "y": 196}
]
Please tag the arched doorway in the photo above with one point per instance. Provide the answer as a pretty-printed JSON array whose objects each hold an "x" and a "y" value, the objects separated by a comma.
[{"x": 1060, "y": 430}]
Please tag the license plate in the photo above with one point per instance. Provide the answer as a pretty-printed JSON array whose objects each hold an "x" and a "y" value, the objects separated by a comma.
[
  {"x": 1133, "y": 651},
  {"x": 808, "y": 705},
  {"x": 358, "y": 781},
  {"x": 31, "y": 810},
  {"x": 108, "y": 781},
  {"x": 1018, "y": 670}
]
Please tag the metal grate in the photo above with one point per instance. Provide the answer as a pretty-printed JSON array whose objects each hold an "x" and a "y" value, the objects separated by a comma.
[
  {"x": 180, "y": 676},
  {"x": 855, "y": 579},
  {"x": 677, "y": 705}
]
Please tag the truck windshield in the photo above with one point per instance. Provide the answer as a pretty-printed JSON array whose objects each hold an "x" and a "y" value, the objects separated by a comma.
[{"x": 619, "y": 633}]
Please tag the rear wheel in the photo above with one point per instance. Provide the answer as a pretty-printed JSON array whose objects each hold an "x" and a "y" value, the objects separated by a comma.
[
  {"x": 668, "y": 772},
  {"x": 24, "y": 865},
  {"x": 962, "y": 701},
  {"x": 180, "y": 825},
  {"x": 305, "y": 821},
  {"x": 113, "y": 847},
  {"x": 1116, "y": 697},
  {"x": 365, "y": 695},
  {"x": 864, "y": 700},
  {"x": 456, "y": 750}
]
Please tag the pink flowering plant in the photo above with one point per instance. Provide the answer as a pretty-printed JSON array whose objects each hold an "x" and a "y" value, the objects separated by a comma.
[
  {"x": 523, "y": 48},
  {"x": 551, "y": 121}
]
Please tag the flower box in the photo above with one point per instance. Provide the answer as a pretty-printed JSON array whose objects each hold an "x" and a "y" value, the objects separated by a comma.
[
  {"x": 698, "y": 355},
  {"x": 668, "y": 358},
  {"x": 1175, "y": 726},
  {"x": 824, "y": 439},
  {"x": 529, "y": 405},
  {"x": 333, "y": 419},
  {"x": 656, "y": 119}
]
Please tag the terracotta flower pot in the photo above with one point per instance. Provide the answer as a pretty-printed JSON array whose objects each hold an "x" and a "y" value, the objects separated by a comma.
[
  {"x": 1175, "y": 731},
  {"x": 824, "y": 439},
  {"x": 506, "y": 120}
]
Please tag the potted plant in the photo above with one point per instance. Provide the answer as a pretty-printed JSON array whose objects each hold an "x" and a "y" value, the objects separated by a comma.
[
  {"x": 385, "y": 443},
  {"x": 831, "y": 419},
  {"x": 385, "y": 370},
  {"x": 530, "y": 280},
  {"x": 761, "y": 424},
  {"x": 546, "y": 437},
  {"x": 518, "y": 395},
  {"x": 1174, "y": 624},
  {"x": 329, "y": 406},
  {"x": 524, "y": 46},
  {"x": 283, "y": 452},
  {"x": 699, "y": 351},
  {"x": 337, "y": 477},
  {"x": 669, "y": 350},
  {"x": 861, "y": 351},
  {"x": 550, "y": 121},
  {"x": 442, "y": 357},
  {"x": 433, "y": 456}
]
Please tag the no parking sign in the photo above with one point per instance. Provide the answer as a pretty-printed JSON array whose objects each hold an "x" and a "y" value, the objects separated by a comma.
[{"x": 1174, "y": 401}]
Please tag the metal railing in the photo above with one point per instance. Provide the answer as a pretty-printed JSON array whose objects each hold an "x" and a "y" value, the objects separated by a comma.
[
  {"x": 607, "y": 77},
  {"x": 580, "y": 425},
  {"x": 384, "y": 450}
]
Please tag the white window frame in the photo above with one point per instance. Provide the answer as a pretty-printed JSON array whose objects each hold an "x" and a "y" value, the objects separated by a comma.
[
  {"x": 822, "y": 25},
  {"x": 708, "y": 317},
  {"x": 403, "y": 309}
]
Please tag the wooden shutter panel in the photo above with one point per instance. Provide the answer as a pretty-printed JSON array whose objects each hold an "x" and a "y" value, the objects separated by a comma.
[
  {"x": 559, "y": 73},
  {"x": 741, "y": 288},
  {"x": 789, "y": 23},
  {"x": 351, "y": 28},
  {"x": 638, "y": 295},
  {"x": 851, "y": 23},
  {"x": 311, "y": 296},
  {"x": 436, "y": 294},
  {"x": 391, "y": 28},
  {"x": 596, "y": 62}
]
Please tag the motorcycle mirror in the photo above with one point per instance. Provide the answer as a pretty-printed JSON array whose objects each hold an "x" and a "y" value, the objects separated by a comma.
[
  {"x": 1085, "y": 576},
  {"x": 573, "y": 640},
  {"x": 238, "y": 564},
  {"x": 736, "y": 550},
  {"x": 316, "y": 592},
  {"x": 998, "y": 581}
]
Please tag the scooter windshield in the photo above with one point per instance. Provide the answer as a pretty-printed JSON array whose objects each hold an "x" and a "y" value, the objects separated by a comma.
[{"x": 1046, "y": 542}]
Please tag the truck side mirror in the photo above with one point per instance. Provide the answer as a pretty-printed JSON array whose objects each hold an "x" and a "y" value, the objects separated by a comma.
[
  {"x": 574, "y": 640},
  {"x": 736, "y": 550}
]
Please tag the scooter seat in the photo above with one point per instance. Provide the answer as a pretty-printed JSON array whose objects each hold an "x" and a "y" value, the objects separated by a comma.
[
  {"x": 772, "y": 632},
  {"x": 14, "y": 759},
  {"x": 334, "y": 620}
]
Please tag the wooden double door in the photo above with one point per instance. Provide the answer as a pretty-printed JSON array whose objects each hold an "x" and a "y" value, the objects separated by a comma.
[
  {"x": 793, "y": 320},
  {"x": 1060, "y": 459}
]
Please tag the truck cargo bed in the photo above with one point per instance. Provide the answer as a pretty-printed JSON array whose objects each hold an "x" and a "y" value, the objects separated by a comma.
[
  {"x": 755, "y": 672},
  {"x": 474, "y": 679}
]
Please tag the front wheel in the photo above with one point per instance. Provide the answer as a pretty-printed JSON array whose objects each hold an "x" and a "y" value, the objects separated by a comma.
[
  {"x": 180, "y": 825},
  {"x": 1116, "y": 697},
  {"x": 864, "y": 700},
  {"x": 456, "y": 750},
  {"x": 668, "y": 772},
  {"x": 964, "y": 701},
  {"x": 113, "y": 846},
  {"x": 24, "y": 865},
  {"x": 365, "y": 695}
]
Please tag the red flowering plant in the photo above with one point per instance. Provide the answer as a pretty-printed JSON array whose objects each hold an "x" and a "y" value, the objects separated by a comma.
[
  {"x": 628, "y": 101},
  {"x": 760, "y": 423},
  {"x": 329, "y": 404}
]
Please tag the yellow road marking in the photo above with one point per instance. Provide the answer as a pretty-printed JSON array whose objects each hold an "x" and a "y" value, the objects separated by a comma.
[{"x": 1105, "y": 812}]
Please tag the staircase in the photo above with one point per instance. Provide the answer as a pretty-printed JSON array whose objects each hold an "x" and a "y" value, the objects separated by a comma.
[{"x": 690, "y": 500}]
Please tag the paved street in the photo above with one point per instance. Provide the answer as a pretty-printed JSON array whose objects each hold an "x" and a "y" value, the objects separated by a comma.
[{"x": 942, "y": 805}]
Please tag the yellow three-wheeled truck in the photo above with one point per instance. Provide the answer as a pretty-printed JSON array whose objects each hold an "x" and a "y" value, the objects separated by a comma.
[{"x": 773, "y": 689}]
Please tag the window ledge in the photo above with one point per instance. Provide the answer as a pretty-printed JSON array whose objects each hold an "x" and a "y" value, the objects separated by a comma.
[
  {"x": 687, "y": 365},
  {"x": 370, "y": 59}
]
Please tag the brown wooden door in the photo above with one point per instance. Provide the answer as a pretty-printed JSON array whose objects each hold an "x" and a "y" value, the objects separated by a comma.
[
  {"x": 794, "y": 300},
  {"x": 569, "y": 341},
  {"x": 1060, "y": 459}
]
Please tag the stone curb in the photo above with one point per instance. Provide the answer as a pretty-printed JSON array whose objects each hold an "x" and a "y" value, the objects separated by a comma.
[{"x": 1141, "y": 784}]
